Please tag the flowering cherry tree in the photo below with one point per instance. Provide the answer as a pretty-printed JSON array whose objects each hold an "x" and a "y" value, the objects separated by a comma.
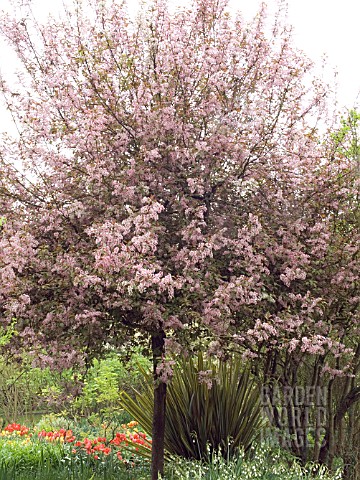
[
  {"x": 304, "y": 334},
  {"x": 167, "y": 181}
]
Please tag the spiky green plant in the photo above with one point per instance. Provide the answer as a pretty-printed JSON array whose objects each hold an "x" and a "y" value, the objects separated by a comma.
[{"x": 202, "y": 420}]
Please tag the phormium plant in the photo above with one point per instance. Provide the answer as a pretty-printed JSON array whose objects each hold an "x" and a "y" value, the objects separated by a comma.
[{"x": 221, "y": 412}]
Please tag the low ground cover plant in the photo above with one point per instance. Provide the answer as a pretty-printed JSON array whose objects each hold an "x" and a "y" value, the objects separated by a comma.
[{"x": 263, "y": 463}]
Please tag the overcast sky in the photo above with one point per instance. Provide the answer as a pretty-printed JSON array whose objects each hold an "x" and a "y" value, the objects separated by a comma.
[{"x": 320, "y": 27}]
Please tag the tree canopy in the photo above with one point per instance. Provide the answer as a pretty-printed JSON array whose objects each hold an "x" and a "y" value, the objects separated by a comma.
[{"x": 169, "y": 181}]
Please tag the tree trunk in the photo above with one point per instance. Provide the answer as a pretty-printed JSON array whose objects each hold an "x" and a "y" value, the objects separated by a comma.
[
  {"x": 327, "y": 449},
  {"x": 158, "y": 427}
]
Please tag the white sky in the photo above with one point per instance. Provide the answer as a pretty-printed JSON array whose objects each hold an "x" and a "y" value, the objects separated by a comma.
[{"x": 321, "y": 27}]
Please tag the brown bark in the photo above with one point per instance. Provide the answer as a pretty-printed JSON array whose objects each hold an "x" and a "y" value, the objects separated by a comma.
[{"x": 158, "y": 427}]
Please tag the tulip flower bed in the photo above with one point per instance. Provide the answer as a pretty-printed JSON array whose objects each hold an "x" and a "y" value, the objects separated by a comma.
[
  {"x": 128, "y": 437},
  {"x": 28, "y": 449}
]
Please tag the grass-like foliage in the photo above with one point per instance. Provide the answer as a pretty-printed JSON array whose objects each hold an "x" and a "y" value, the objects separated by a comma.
[{"x": 203, "y": 418}]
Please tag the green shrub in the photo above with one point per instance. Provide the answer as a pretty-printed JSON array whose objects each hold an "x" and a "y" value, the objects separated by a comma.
[
  {"x": 103, "y": 383},
  {"x": 202, "y": 420}
]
